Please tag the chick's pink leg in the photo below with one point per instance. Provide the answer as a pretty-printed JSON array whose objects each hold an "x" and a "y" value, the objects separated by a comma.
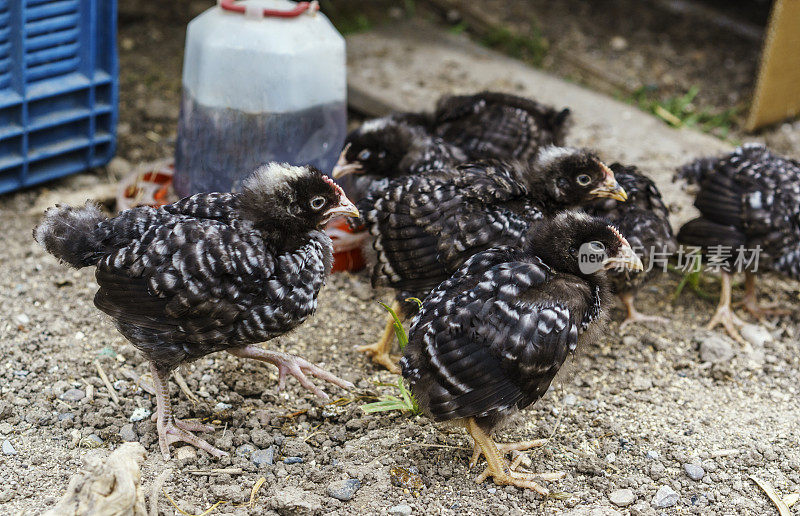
[
  {"x": 171, "y": 430},
  {"x": 291, "y": 365}
]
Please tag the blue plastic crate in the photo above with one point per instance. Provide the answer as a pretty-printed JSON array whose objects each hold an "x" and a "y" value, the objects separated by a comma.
[{"x": 58, "y": 88}]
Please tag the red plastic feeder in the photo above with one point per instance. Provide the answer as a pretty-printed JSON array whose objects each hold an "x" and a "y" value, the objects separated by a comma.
[{"x": 347, "y": 252}]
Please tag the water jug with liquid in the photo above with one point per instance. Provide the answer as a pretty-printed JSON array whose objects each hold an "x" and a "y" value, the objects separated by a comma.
[{"x": 263, "y": 80}]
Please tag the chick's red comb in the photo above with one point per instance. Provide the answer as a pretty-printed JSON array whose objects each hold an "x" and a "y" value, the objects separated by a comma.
[
  {"x": 337, "y": 188},
  {"x": 607, "y": 172},
  {"x": 619, "y": 235}
]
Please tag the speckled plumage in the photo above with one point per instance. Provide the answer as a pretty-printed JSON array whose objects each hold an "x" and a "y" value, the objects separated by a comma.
[
  {"x": 750, "y": 197},
  {"x": 211, "y": 272},
  {"x": 489, "y": 340},
  {"x": 643, "y": 219},
  {"x": 425, "y": 227},
  {"x": 498, "y": 125},
  {"x": 204, "y": 274},
  {"x": 191, "y": 286},
  {"x": 487, "y": 125}
]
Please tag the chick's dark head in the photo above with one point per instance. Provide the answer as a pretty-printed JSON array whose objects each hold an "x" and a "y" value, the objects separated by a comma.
[
  {"x": 579, "y": 244},
  {"x": 573, "y": 177},
  {"x": 375, "y": 148},
  {"x": 281, "y": 197}
]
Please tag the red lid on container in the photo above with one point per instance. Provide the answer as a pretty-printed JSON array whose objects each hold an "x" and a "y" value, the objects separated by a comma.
[{"x": 300, "y": 8}]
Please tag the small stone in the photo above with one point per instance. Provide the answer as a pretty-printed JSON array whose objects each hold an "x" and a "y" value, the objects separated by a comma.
[
  {"x": 119, "y": 167},
  {"x": 186, "y": 454},
  {"x": 22, "y": 319},
  {"x": 401, "y": 510},
  {"x": 159, "y": 109},
  {"x": 261, "y": 438},
  {"x": 296, "y": 502},
  {"x": 219, "y": 407},
  {"x": 64, "y": 416},
  {"x": 5, "y": 410},
  {"x": 127, "y": 433},
  {"x": 716, "y": 350},
  {"x": 622, "y": 497},
  {"x": 344, "y": 490},
  {"x": 665, "y": 497},
  {"x": 263, "y": 457},
  {"x": 92, "y": 441},
  {"x": 619, "y": 43},
  {"x": 570, "y": 399},
  {"x": 642, "y": 383},
  {"x": 652, "y": 454},
  {"x": 139, "y": 414},
  {"x": 293, "y": 460},
  {"x": 657, "y": 470},
  {"x": 8, "y": 448},
  {"x": 80, "y": 335},
  {"x": 296, "y": 448},
  {"x": 629, "y": 341},
  {"x": 694, "y": 471},
  {"x": 73, "y": 395},
  {"x": 755, "y": 334},
  {"x": 245, "y": 450}
]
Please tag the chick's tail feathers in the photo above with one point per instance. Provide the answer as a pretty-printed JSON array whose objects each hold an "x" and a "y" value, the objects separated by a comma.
[
  {"x": 70, "y": 234},
  {"x": 695, "y": 172}
]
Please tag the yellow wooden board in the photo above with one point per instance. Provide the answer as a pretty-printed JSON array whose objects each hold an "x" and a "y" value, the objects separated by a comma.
[{"x": 777, "y": 94}]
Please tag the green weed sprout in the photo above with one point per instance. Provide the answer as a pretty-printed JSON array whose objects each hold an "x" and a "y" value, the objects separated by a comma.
[{"x": 406, "y": 401}]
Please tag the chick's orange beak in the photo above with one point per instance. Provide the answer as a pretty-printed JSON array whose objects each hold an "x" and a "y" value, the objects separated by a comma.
[
  {"x": 610, "y": 187},
  {"x": 344, "y": 167},
  {"x": 345, "y": 207}
]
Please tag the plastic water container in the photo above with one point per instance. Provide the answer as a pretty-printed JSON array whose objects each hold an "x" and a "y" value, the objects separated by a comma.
[{"x": 263, "y": 80}]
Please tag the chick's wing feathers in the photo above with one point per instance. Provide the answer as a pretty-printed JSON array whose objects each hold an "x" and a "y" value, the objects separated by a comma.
[
  {"x": 209, "y": 283},
  {"x": 221, "y": 206},
  {"x": 488, "y": 342},
  {"x": 498, "y": 125},
  {"x": 190, "y": 270},
  {"x": 426, "y": 227}
]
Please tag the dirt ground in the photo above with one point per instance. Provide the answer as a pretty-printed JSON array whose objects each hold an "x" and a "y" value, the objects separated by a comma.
[{"x": 640, "y": 410}]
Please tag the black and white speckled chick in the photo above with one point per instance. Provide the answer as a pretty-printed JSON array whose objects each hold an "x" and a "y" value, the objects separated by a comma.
[
  {"x": 489, "y": 341},
  {"x": 393, "y": 146},
  {"x": 487, "y": 125},
  {"x": 498, "y": 125},
  {"x": 644, "y": 220},
  {"x": 425, "y": 227},
  {"x": 749, "y": 198},
  {"x": 212, "y": 272}
]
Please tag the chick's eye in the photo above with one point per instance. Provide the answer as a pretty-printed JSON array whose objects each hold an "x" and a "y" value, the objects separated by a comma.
[
  {"x": 584, "y": 179},
  {"x": 317, "y": 202},
  {"x": 596, "y": 246},
  {"x": 573, "y": 251},
  {"x": 364, "y": 154}
]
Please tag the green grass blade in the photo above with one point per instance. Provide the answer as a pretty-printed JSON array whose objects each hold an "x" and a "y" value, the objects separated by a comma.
[{"x": 402, "y": 338}]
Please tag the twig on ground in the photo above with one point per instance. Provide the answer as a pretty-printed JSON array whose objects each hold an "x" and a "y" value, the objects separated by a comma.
[
  {"x": 185, "y": 388},
  {"x": 216, "y": 472},
  {"x": 111, "y": 391},
  {"x": 189, "y": 514},
  {"x": 157, "y": 485},
  {"x": 783, "y": 510},
  {"x": 252, "y": 502}
]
